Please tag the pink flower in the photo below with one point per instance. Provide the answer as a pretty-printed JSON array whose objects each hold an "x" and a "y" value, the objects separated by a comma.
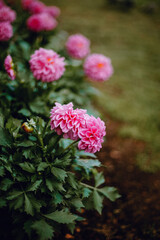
[
  {"x": 66, "y": 121},
  {"x": 53, "y": 11},
  {"x": 41, "y": 22},
  {"x": 98, "y": 67},
  {"x": 78, "y": 46},
  {"x": 46, "y": 65},
  {"x": 7, "y": 14},
  {"x": 36, "y": 7},
  {"x": 6, "y": 31},
  {"x": 2, "y": 3},
  {"x": 9, "y": 67},
  {"x": 26, "y": 4},
  {"x": 91, "y": 135}
]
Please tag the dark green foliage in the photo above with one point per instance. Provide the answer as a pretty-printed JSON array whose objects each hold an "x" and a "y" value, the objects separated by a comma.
[{"x": 46, "y": 187}]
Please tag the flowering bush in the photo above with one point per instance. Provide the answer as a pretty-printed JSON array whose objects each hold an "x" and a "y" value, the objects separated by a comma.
[{"x": 47, "y": 161}]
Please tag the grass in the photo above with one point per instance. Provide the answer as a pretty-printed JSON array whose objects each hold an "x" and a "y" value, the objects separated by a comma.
[{"x": 132, "y": 41}]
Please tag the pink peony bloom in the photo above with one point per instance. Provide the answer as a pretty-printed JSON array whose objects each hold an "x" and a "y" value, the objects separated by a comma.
[
  {"x": 6, "y": 31},
  {"x": 9, "y": 67},
  {"x": 66, "y": 121},
  {"x": 36, "y": 7},
  {"x": 78, "y": 46},
  {"x": 7, "y": 14},
  {"x": 91, "y": 135},
  {"x": 53, "y": 11},
  {"x": 98, "y": 67},
  {"x": 41, "y": 22},
  {"x": 26, "y": 4},
  {"x": 46, "y": 65}
]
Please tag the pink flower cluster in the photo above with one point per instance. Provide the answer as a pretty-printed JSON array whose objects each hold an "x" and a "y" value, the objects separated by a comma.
[
  {"x": 43, "y": 17},
  {"x": 41, "y": 22},
  {"x": 9, "y": 67},
  {"x": 46, "y": 65},
  {"x": 78, "y": 46},
  {"x": 98, "y": 67},
  {"x": 7, "y": 16},
  {"x": 78, "y": 125}
]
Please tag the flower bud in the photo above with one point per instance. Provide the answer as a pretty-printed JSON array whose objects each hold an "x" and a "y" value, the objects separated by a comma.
[{"x": 27, "y": 128}]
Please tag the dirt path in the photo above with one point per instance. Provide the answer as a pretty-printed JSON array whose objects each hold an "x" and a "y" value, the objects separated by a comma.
[{"x": 136, "y": 215}]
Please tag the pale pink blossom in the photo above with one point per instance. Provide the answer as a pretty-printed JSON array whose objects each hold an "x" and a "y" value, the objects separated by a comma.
[
  {"x": 78, "y": 46},
  {"x": 36, "y": 7},
  {"x": 98, "y": 67},
  {"x": 67, "y": 121},
  {"x": 9, "y": 67},
  {"x": 41, "y": 22},
  {"x": 26, "y": 4},
  {"x": 46, "y": 65},
  {"x": 91, "y": 134},
  {"x": 6, "y": 31},
  {"x": 7, "y": 14},
  {"x": 53, "y": 11}
]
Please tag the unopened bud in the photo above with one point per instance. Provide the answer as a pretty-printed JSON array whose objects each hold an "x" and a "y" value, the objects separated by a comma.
[{"x": 27, "y": 128}]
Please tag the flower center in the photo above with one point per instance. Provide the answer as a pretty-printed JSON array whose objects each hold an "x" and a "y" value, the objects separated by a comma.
[
  {"x": 50, "y": 60},
  {"x": 100, "y": 65},
  {"x": 80, "y": 44}
]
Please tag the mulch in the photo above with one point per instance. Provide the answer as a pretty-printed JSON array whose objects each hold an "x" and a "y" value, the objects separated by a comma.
[{"x": 136, "y": 215}]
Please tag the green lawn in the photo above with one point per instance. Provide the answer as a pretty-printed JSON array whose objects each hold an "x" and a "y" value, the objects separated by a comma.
[{"x": 132, "y": 41}]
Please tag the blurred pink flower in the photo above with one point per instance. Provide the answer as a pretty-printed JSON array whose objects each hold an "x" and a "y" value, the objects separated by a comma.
[
  {"x": 46, "y": 65},
  {"x": 78, "y": 46},
  {"x": 9, "y": 67},
  {"x": 6, "y": 31},
  {"x": 67, "y": 121},
  {"x": 41, "y": 22},
  {"x": 7, "y": 14},
  {"x": 98, "y": 67},
  {"x": 91, "y": 134},
  {"x": 2, "y": 3},
  {"x": 36, "y": 7},
  {"x": 52, "y": 10},
  {"x": 26, "y": 4}
]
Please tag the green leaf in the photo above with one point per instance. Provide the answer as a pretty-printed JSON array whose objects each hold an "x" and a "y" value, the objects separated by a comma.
[
  {"x": 72, "y": 181},
  {"x": 5, "y": 138},
  {"x": 43, "y": 229},
  {"x": 28, "y": 167},
  {"x": 42, "y": 166},
  {"x": 110, "y": 192},
  {"x": 99, "y": 179},
  {"x": 61, "y": 217},
  {"x": 6, "y": 183},
  {"x": 25, "y": 112},
  {"x": 14, "y": 195},
  {"x": 97, "y": 200},
  {"x": 86, "y": 154},
  {"x": 49, "y": 184},
  {"x": 18, "y": 202},
  {"x": 28, "y": 153},
  {"x": 1, "y": 120},
  {"x": 28, "y": 205},
  {"x": 77, "y": 203},
  {"x": 26, "y": 143},
  {"x": 2, "y": 171},
  {"x": 86, "y": 192},
  {"x": 58, "y": 198},
  {"x": 88, "y": 163},
  {"x": 2, "y": 203},
  {"x": 59, "y": 173},
  {"x": 34, "y": 186}
]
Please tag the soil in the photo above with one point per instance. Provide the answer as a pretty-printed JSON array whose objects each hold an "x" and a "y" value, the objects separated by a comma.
[{"x": 136, "y": 215}]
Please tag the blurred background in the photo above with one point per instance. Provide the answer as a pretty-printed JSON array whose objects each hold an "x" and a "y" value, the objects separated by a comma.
[{"x": 127, "y": 31}]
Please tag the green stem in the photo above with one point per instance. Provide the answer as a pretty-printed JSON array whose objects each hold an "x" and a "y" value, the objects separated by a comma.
[
  {"x": 69, "y": 147},
  {"x": 88, "y": 186}
]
